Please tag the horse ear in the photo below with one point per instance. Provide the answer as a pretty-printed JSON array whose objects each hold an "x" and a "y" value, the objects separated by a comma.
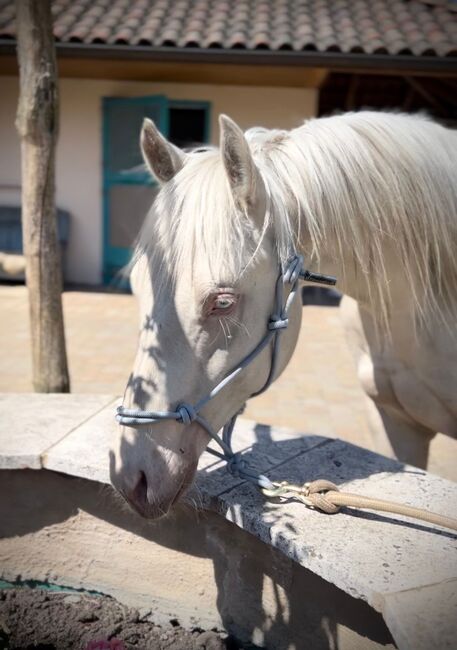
[
  {"x": 163, "y": 158},
  {"x": 241, "y": 170}
]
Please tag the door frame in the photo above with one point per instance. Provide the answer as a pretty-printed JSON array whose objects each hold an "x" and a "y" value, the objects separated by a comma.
[{"x": 114, "y": 259}]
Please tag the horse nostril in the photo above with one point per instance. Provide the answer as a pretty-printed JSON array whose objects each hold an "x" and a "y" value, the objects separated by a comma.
[{"x": 140, "y": 491}]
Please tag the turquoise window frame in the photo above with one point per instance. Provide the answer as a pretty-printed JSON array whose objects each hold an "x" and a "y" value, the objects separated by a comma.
[{"x": 115, "y": 258}]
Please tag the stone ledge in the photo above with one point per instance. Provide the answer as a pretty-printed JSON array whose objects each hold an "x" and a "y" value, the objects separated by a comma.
[
  {"x": 370, "y": 556},
  {"x": 31, "y": 424}
]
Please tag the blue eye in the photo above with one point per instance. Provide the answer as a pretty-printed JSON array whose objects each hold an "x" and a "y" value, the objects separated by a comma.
[{"x": 223, "y": 302}]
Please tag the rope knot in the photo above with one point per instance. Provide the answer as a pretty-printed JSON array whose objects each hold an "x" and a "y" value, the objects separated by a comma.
[
  {"x": 293, "y": 269},
  {"x": 236, "y": 465},
  {"x": 278, "y": 323},
  {"x": 315, "y": 493},
  {"x": 187, "y": 413}
]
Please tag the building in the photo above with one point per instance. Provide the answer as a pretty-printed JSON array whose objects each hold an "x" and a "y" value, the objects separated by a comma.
[{"x": 263, "y": 62}]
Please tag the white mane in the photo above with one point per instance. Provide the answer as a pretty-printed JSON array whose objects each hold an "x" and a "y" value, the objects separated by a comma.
[{"x": 355, "y": 185}]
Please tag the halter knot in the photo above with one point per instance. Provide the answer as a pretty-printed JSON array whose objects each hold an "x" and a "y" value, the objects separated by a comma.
[
  {"x": 278, "y": 323},
  {"x": 187, "y": 413},
  {"x": 293, "y": 269},
  {"x": 236, "y": 465}
]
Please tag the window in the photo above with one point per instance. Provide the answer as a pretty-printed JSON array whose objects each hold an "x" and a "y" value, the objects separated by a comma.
[{"x": 128, "y": 189}]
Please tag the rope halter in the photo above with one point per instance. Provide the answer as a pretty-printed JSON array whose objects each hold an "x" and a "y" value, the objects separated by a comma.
[{"x": 187, "y": 413}]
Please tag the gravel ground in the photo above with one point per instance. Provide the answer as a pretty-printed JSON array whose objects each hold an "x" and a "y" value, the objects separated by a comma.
[{"x": 46, "y": 620}]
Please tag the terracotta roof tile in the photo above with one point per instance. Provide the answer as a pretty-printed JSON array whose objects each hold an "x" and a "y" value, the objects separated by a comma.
[{"x": 366, "y": 26}]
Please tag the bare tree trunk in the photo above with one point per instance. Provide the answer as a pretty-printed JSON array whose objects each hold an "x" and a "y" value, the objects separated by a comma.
[{"x": 37, "y": 124}]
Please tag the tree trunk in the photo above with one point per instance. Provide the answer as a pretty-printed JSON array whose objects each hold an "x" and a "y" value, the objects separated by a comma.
[{"x": 37, "y": 124}]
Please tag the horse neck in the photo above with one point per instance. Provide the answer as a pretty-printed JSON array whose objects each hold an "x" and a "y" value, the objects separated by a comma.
[
  {"x": 388, "y": 299},
  {"x": 371, "y": 206},
  {"x": 383, "y": 292}
]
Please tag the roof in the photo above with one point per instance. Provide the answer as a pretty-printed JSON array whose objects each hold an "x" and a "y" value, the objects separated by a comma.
[{"x": 384, "y": 27}]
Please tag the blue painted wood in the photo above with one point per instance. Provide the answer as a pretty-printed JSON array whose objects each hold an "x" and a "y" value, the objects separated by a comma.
[
  {"x": 11, "y": 228},
  {"x": 122, "y": 161}
]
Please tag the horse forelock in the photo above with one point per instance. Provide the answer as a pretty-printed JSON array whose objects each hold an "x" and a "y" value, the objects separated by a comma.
[{"x": 195, "y": 215}]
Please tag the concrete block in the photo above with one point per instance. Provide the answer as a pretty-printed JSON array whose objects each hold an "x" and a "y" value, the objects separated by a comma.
[
  {"x": 31, "y": 423},
  {"x": 192, "y": 566}
]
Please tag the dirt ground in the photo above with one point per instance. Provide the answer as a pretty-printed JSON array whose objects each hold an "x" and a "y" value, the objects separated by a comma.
[{"x": 45, "y": 620}]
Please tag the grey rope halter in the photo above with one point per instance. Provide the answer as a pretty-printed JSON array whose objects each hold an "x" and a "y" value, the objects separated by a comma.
[{"x": 186, "y": 413}]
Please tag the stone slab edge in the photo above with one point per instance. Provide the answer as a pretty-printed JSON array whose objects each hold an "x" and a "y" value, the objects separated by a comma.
[
  {"x": 37, "y": 461},
  {"x": 111, "y": 399}
]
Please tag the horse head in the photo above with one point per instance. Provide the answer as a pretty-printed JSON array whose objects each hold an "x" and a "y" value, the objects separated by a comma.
[{"x": 204, "y": 273}]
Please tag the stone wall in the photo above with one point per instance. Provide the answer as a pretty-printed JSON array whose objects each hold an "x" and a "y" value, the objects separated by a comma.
[{"x": 193, "y": 566}]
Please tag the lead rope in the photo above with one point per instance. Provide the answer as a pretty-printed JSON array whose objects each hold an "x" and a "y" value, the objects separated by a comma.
[
  {"x": 325, "y": 496},
  {"x": 320, "y": 494}
]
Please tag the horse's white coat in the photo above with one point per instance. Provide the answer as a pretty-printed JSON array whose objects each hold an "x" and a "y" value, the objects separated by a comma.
[{"x": 368, "y": 197}]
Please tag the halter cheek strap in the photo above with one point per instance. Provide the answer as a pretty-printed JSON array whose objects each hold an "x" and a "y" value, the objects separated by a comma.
[{"x": 186, "y": 413}]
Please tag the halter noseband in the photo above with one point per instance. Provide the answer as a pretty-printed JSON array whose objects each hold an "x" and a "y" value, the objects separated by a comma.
[{"x": 186, "y": 413}]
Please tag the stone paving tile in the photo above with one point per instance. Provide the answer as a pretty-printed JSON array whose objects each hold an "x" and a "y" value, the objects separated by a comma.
[
  {"x": 263, "y": 447},
  {"x": 85, "y": 451},
  {"x": 101, "y": 332},
  {"x": 30, "y": 424}
]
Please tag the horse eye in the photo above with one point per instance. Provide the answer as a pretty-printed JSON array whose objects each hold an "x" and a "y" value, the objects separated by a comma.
[{"x": 221, "y": 304}]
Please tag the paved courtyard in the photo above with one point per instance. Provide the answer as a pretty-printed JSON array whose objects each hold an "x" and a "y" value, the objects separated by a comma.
[{"x": 318, "y": 392}]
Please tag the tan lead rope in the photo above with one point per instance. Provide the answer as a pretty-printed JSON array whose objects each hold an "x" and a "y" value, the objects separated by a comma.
[{"x": 325, "y": 496}]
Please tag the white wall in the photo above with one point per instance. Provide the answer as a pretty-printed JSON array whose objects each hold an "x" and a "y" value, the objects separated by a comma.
[{"x": 79, "y": 154}]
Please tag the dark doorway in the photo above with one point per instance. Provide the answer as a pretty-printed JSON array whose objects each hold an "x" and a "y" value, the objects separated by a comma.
[{"x": 437, "y": 96}]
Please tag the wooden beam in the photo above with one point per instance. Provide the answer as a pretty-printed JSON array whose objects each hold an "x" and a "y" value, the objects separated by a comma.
[
  {"x": 37, "y": 124},
  {"x": 204, "y": 73},
  {"x": 351, "y": 93},
  {"x": 409, "y": 96}
]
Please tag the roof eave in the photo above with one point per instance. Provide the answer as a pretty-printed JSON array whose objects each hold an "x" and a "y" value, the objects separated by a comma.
[{"x": 329, "y": 60}]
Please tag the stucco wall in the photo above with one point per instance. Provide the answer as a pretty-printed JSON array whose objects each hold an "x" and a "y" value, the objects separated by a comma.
[
  {"x": 79, "y": 156},
  {"x": 193, "y": 566}
]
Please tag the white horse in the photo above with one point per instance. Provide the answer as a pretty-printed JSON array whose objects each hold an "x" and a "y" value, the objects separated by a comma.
[{"x": 369, "y": 197}]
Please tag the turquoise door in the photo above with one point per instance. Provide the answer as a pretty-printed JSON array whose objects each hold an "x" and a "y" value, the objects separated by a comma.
[{"x": 128, "y": 189}]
